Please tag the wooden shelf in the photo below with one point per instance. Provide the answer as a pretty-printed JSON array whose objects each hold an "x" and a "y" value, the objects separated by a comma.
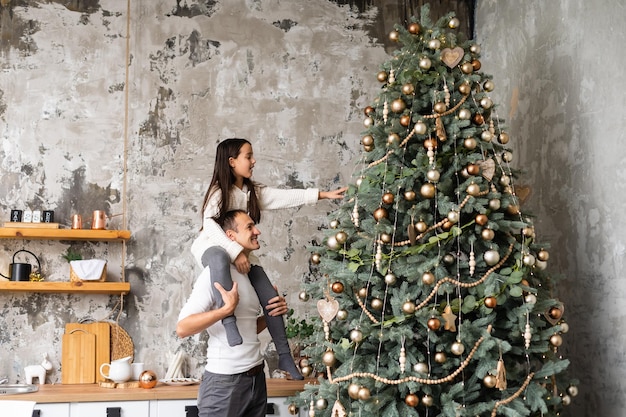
[
  {"x": 66, "y": 287},
  {"x": 63, "y": 234}
]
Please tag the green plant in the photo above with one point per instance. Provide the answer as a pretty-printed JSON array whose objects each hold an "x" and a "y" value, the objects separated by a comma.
[
  {"x": 71, "y": 255},
  {"x": 298, "y": 328}
]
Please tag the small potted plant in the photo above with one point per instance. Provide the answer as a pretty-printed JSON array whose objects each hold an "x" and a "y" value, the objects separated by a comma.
[{"x": 85, "y": 270}]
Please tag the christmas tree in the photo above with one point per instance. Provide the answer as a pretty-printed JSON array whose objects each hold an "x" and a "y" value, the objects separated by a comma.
[{"x": 433, "y": 292}]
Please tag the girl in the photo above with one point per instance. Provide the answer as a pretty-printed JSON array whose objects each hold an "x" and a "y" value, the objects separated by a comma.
[{"x": 232, "y": 188}]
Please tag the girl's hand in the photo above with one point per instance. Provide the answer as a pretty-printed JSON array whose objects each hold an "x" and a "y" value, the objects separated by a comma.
[
  {"x": 242, "y": 263},
  {"x": 333, "y": 195}
]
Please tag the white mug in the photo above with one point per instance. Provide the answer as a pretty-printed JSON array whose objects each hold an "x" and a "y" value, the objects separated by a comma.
[{"x": 138, "y": 369}]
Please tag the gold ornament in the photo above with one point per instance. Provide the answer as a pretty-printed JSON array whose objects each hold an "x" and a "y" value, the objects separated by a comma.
[
  {"x": 440, "y": 107},
  {"x": 405, "y": 120},
  {"x": 428, "y": 278},
  {"x": 481, "y": 219},
  {"x": 433, "y": 323},
  {"x": 467, "y": 68},
  {"x": 394, "y": 36},
  {"x": 342, "y": 315},
  {"x": 353, "y": 391},
  {"x": 328, "y": 358},
  {"x": 337, "y": 287},
  {"x": 364, "y": 394},
  {"x": 321, "y": 404},
  {"x": 465, "y": 88},
  {"x": 543, "y": 255},
  {"x": 369, "y": 110},
  {"x": 427, "y": 190},
  {"x": 503, "y": 138},
  {"x": 367, "y": 140},
  {"x": 408, "y": 307},
  {"x": 390, "y": 278},
  {"x": 473, "y": 189},
  {"x": 421, "y": 368},
  {"x": 475, "y": 49},
  {"x": 470, "y": 144},
  {"x": 475, "y": 64},
  {"x": 356, "y": 336},
  {"x": 428, "y": 400},
  {"x": 388, "y": 198},
  {"x": 148, "y": 379},
  {"x": 382, "y": 76},
  {"x": 478, "y": 119},
  {"x": 489, "y": 381},
  {"x": 362, "y": 293},
  {"x": 414, "y": 28},
  {"x": 487, "y": 234},
  {"x": 385, "y": 238},
  {"x": 409, "y": 195},
  {"x": 457, "y": 348},
  {"x": 491, "y": 302},
  {"x": 424, "y": 63},
  {"x": 303, "y": 296},
  {"x": 293, "y": 409},
  {"x": 408, "y": 89},
  {"x": 341, "y": 237},
  {"x": 380, "y": 213},
  {"x": 454, "y": 23},
  {"x": 420, "y": 128},
  {"x": 488, "y": 86},
  {"x": 398, "y": 105},
  {"x": 316, "y": 258},
  {"x": 411, "y": 400},
  {"x": 556, "y": 340},
  {"x": 393, "y": 139},
  {"x": 377, "y": 304}
]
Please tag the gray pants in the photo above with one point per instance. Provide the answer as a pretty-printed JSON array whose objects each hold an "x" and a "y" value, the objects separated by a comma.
[{"x": 238, "y": 395}]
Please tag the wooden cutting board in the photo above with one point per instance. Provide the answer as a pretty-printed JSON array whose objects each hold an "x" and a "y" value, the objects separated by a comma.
[
  {"x": 78, "y": 362},
  {"x": 102, "y": 330}
]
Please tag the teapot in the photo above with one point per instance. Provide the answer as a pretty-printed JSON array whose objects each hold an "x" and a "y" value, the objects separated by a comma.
[
  {"x": 119, "y": 370},
  {"x": 20, "y": 271}
]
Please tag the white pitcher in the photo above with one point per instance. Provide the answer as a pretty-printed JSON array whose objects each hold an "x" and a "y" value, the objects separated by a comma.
[{"x": 119, "y": 370}]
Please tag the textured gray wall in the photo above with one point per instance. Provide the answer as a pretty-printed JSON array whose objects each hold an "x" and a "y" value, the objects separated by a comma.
[
  {"x": 79, "y": 134},
  {"x": 558, "y": 66}
]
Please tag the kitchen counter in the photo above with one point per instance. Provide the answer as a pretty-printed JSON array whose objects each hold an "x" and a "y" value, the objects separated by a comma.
[{"x": 58, "y": 393}]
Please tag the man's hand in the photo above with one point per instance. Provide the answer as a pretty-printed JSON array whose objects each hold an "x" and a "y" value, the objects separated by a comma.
[
  {"x": 242, "y": 263},
  {"x": 230, "y": 298},
  {"x": 276, "y": 306}
]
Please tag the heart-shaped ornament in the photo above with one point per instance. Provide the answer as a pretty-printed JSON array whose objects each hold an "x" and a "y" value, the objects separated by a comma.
[
  {"x": 328, "y": 309},
  {"x": 452, "y": 57},
  {"x": 488, "y": 168}
]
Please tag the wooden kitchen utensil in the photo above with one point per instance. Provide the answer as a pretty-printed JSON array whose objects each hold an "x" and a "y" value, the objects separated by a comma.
[
  {"x": 78, "y": 363},
  {"x": 102, "y": 330}
]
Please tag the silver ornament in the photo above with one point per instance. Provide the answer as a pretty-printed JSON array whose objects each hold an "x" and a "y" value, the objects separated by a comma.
[
  {"x": 491, "y": 257},
  {"x": 332, "y": 243}
]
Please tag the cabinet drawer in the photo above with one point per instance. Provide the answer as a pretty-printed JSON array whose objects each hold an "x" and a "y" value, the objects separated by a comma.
[
  {"x": 52, "y": 410},
  {"x": 173, "y": 408},
  {"x": 111, "y": 409}
]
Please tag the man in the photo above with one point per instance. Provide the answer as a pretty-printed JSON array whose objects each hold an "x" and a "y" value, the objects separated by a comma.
[{"x": 233, "y": 384}]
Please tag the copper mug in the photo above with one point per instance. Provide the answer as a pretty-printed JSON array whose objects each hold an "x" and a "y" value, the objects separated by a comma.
[
  {"x": 77, "y": 222},
  {"x": 98, "y": 221}
]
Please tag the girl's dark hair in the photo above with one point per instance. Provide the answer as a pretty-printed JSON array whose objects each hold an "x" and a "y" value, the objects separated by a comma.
[{"x": 223, "y": 180}]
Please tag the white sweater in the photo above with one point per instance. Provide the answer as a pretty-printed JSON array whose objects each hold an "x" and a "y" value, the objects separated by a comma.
[
  {"x": 269, "y": 199},
  {"x": 222, "y": 358}
]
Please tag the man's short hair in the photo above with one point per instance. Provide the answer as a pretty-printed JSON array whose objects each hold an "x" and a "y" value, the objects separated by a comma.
[{"x": 229, "y": 222}]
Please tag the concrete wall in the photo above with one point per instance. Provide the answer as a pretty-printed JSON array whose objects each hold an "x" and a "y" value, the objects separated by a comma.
[
  {"x": 80, "y": 133},
  {"x": 558, "y": 68}
]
